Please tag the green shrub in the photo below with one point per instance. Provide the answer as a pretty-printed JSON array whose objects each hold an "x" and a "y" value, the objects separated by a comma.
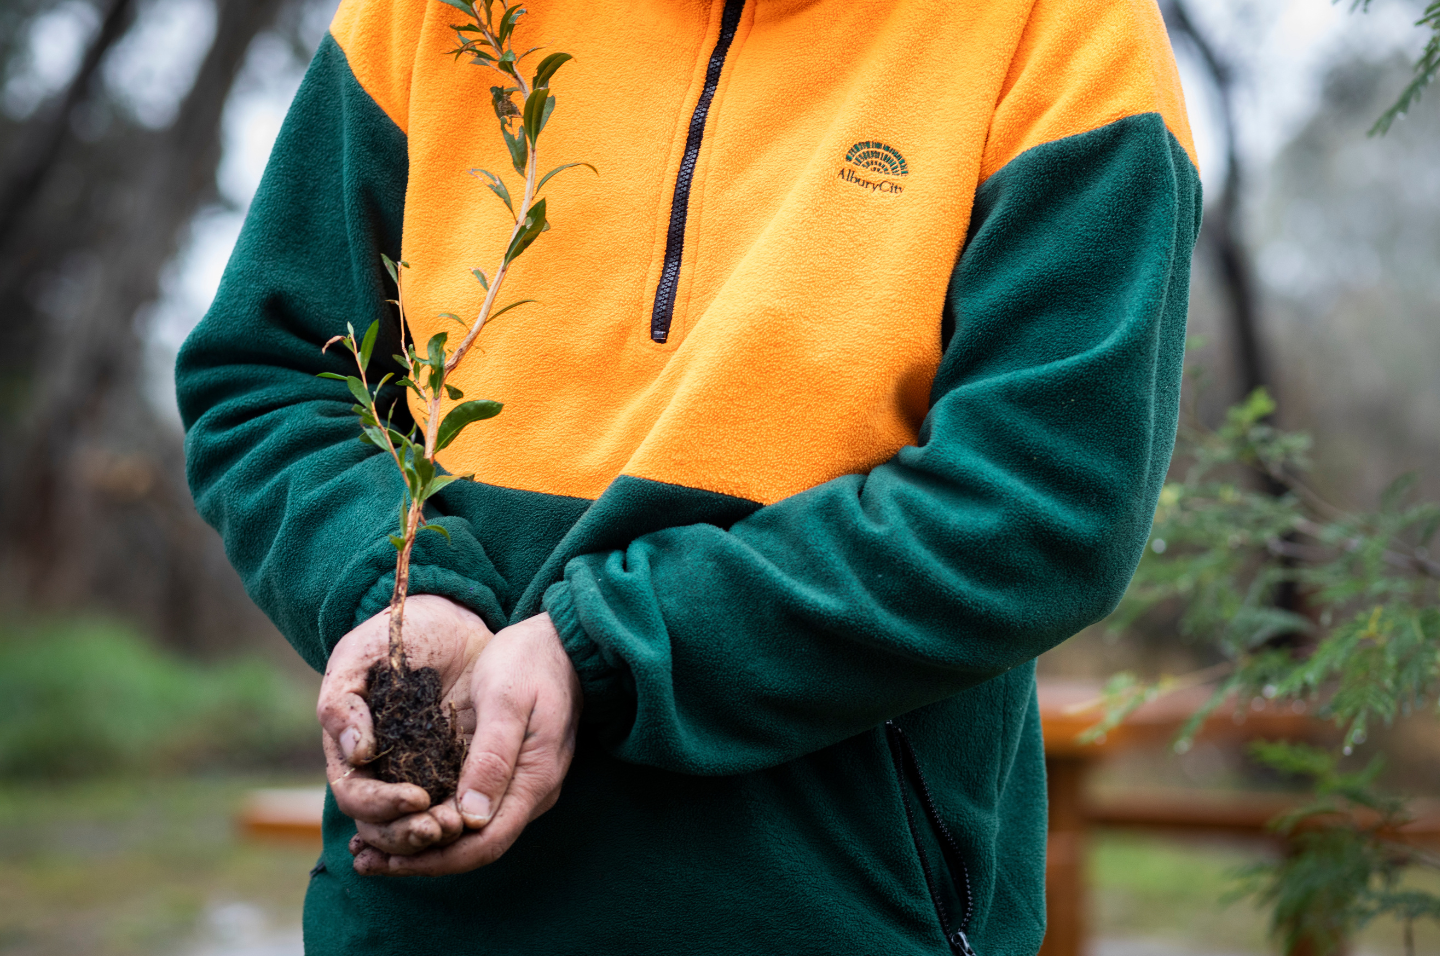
[{"x": 81, "y": 698}]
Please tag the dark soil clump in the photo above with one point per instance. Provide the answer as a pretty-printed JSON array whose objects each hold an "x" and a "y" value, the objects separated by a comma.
[{"x": 415, "y": 738}]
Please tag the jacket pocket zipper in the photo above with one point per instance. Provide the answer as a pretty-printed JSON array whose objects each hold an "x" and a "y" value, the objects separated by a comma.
[
  {"x": 664, "y": 309},
  {"x": 907, "y": 771}
]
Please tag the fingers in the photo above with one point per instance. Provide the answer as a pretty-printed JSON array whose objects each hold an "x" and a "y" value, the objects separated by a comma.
[
  {"x": 342, "y": 709},
  {"x": 526, "y": 699},
  {"x": 502, "y": 718},
  {"x": 414, "y": 833},
  {"x": 362, "y": 797},
  {"x": 346, "y": 719},
  {"x": 472, "y": 850},
  {"x": 546, "y": 748}
]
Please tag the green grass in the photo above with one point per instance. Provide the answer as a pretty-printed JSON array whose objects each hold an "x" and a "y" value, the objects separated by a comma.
[
  {"x": 126, "y": 867},
  {"x": 1171, "y": 890},
  {"x": 1175, "y": 891},
  {"x": 121, "y": 768}
]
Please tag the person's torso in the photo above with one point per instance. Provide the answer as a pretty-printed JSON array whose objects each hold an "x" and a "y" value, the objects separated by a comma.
[{"x": 747, "y": 298}]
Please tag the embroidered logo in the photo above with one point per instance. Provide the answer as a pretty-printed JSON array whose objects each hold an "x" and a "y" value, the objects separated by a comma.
[{"x": 881, "y": 160}]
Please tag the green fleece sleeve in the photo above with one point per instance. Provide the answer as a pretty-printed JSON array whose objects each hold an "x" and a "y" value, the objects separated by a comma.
[
  {"x": 272, "y": 454},
  {"x": 1016, "y": 520}
]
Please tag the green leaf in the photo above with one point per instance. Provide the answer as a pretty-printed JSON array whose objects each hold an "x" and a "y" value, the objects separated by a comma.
[
  {"x": 452, "y": 316},
  {"x": 390, "y": 268},
  {"x": 424, "y": 472},
  {"x": 368, "y": 345},
  {"x": 512, "y": 305},
  {"x": 507, "y": 23},
  {"x": 547, "y": 69},
  {"x": 519, "y": 147},
  {"x": 480, "y": 278},
  {"x": 440, "y": 482},
  {"x": 534, "y": 223},
  {"x": 462, "y": 415},
  {"x": 375, "y": 436},
  {"x": 357, "y": 388},
  {"x": 395, "y": 540},
  {"x": 436, "y": 350},
  {"x": 336, "y": 377},
  {"x": 560, "y": 169},
  {"x": 498, "y": 187},
  {"x": 463, "y": 6},
  {"x": 535, "y": 113},
  {"x": 436, "y": 528},
  {"x": 454, "y": 393}
]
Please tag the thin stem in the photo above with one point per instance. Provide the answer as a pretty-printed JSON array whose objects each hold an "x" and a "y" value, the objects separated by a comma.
[
  {"x": 531, "y": 166},
  {"x": 432, "y": 392},
  {"x": 402, "y": 587},
  {"x": 402, "y": 562}
]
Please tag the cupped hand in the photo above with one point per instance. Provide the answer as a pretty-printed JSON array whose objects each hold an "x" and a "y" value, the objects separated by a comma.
[
  {"x": 396, "y": 817},
  {"x": 526, "y": 698}
]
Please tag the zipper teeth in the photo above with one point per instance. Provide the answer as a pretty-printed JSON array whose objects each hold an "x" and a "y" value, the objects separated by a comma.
[
  {"x": 680, "y": 204},
  {"x": 905, "y": 756},
  {"x": 896, "y": 747}
]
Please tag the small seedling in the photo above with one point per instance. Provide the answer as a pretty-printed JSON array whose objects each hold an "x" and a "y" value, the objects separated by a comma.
[{"x": 417, "y": 741}]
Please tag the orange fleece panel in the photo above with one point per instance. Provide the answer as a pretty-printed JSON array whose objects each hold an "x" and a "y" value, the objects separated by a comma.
[
  {"x": 1082, "y": 65},
  {"x": 806, "y": 329},
  {"x": 379, "y": 39}
]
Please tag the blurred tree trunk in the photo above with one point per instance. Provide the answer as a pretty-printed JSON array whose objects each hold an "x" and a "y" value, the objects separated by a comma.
[
  {"x": 95, "y": 511},
  {"x": 45, "y": 137},
  {"x": 1222, "y": 231}
]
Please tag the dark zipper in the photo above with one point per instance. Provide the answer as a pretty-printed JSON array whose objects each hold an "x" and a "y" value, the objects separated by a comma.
[
  {"x": 906, "y": 766},
  {"x": 680, "y": 205}
]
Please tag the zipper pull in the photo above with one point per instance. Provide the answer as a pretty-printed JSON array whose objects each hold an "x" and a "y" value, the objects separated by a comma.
[{"x": 960, "y": 943}]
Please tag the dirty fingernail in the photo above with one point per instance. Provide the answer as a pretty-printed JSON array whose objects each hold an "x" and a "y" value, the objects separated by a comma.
[
  {"x": 475, "y": 807},
  {"x": 349, "y": 740}
]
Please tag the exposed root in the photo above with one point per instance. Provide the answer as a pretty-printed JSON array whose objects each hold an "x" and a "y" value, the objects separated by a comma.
[{"x": 418, "y": 741}]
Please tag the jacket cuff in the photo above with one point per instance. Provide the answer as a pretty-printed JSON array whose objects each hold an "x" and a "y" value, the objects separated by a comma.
[
  {"x": 457, "y": 569},
  {"x": 600, "y": 681},
  {"x": 428, "y": 579}
]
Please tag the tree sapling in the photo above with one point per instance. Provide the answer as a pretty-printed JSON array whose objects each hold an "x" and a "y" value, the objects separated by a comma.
[{"x": 417, "y": 741}]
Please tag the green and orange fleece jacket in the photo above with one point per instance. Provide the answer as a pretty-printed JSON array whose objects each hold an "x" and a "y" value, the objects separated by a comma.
[{"x": 850, "y": 390}]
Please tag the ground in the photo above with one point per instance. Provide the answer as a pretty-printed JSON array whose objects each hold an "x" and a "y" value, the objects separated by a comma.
[{"x": 120, "y": 867}]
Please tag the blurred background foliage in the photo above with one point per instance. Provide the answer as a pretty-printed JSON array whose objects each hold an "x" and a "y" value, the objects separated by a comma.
[
  {"x": 82, "y": 698},
  {"x": 132, "y": 136}
]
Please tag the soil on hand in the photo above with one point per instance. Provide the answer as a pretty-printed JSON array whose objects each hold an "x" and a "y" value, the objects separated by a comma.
[{"x": 415, "y": 737}]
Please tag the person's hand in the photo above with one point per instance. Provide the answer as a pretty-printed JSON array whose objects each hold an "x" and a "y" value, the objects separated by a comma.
[
  {"x": 395, "y": 816},
  {"x": 527, "y": 700}
]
